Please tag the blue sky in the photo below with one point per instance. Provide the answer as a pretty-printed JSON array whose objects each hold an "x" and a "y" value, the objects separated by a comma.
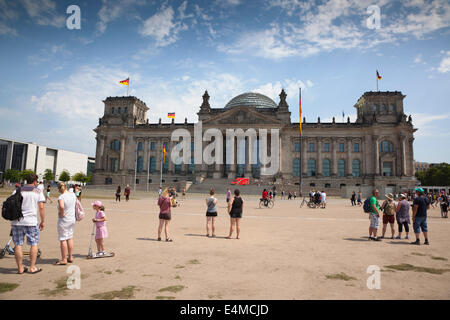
[{"x": 54, "y": 79}]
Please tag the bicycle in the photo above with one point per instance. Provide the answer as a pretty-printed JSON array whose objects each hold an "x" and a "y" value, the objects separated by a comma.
[
  {"x": 309, "y": 203},
  {"x": 266, "y": 203}
]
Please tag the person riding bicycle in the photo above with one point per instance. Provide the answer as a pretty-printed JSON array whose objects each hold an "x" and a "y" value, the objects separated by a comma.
[{"x": 264, "y": 197}]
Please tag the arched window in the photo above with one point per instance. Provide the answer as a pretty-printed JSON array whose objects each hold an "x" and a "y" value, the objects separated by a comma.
[
  {"x": 386, "y": 146},
  {"x": 391, "y": 107},
  {"x": 140, "y": 163},
  {"x": 115, "y": 145},
  {"x": 341, "y": 168},
  {"x": 375, "y": 107},
  {"x": 112, "y": 110},
  {"x": 152, "y": 164},
  {"x": 296, "y": 167},
  {"x": 356, "y": 168},
  {"x": 311, "y": 167},
  {"x": 326, "y": 171},
  {"x": 383, "y": 107}
]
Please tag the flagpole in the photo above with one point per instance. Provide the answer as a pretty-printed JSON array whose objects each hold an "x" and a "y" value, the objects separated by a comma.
[
  {"x": 301, "y": 145},
  {"x": 135, "y": 168},
  {"x": 148, "y": 168},
  {"x": 128, "y": 87},
  {"x": 160, "y": 179}
]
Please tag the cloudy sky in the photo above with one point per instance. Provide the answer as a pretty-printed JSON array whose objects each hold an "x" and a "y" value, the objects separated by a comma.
[{"x": 54, "y": 79}]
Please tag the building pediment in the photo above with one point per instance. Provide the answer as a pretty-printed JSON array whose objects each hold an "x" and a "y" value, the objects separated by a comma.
[{"x": 243, "y": 116}]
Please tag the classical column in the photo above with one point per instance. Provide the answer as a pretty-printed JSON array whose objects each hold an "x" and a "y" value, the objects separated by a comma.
[
  {"x": 319, "y": 157},
  {"x": 377, "y": 155},
  {"x": 146, "y": 162},
  {"x": 403, "y": 144},
  {"x": 105, "y": 156},
  {"x": 100, "y": 152},
  {"x": 304, "y": 158},
  {"x": 122, "y": 152},
  {"x": 158, "y": 156},
  {"x": 334, "y": 157},
  {"x": 349, "y": 157}
]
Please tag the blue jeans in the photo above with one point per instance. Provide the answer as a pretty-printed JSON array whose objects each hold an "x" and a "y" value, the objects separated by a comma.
[{"x": 420, "y": 223}]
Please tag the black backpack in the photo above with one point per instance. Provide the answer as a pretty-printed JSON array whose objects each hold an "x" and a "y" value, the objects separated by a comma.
[{"x": 12, "y": 207}]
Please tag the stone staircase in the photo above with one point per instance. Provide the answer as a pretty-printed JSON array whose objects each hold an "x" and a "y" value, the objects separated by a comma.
[{"x": 221, "y": 185}]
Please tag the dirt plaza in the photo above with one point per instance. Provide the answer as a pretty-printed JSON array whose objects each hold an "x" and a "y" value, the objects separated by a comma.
[{"x": 286, "y": 252}]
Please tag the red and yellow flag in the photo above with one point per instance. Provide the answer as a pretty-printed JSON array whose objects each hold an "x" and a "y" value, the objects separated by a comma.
[
  {"x": 164, "y": 154},
  {"x": 171, "y": 115},
  {"x": 378, "y": 76},
  {"x": 300, "y": 107},
  {"x": 125, "y": 82}
]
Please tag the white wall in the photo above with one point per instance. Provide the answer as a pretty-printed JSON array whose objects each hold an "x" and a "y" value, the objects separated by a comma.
[{"x": 71, "y": 161}]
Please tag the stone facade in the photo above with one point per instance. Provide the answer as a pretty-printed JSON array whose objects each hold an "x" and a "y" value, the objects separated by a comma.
[{"x": 375, "y": 150}]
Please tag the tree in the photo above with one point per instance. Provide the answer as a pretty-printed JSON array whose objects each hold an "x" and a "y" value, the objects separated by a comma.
[
  {"x": 64, "y": 176},
  {"x": 79, "y": 177},
  {"x": 48, "y": 175},
  {"x": 435, "y": 176},
  {"x": 12, "y": 175},
  {"x": 24, "y": 174}
]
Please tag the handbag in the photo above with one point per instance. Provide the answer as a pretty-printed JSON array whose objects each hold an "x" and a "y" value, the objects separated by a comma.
[{"x": 79, "y": 212}]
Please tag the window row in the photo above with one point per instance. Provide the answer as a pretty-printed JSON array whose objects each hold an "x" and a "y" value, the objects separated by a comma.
[
  {"x": 152, "y": 165},
  {"x": 326, "y": 168},
  {"x": 326, "y": 147},
  {"x": 383, "y": 107},
  {"x": 119, "y": 110}
]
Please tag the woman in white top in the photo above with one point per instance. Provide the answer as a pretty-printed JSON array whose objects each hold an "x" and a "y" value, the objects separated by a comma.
[{"x": 66, "y": 223}]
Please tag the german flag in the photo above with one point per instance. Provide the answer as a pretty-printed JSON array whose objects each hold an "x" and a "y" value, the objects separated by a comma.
[
  {"x": 125, "y": 82},
  {"x": 378, "y": 76},
  {"x": 171, "y": 115},
  {"x": 164, "y": 154}
]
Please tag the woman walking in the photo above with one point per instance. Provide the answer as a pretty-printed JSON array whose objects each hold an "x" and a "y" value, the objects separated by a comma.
[
  {"x": 127, "y": 193},
  {"x": 66, "y": 223},
  {"x": 164, "y": 203},
  {"x": 118, "y": 191},
  {"x": 235, "y": 208},
  {"x": 211, "y": 213},
  {"x": 47, "y": 195},
  {"x": 402, "y": 215}
]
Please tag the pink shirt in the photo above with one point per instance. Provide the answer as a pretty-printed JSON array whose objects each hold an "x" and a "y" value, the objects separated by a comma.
[
  {"x": 100, "y": 215},
  {"x": 164, "y": 205}
]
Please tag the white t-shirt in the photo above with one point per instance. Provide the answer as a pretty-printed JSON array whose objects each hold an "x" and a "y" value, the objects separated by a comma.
[
  {"x": 324, "y": 196},
  {"x": 31, "y": 197},
  {"x": 69, "y": 207}
]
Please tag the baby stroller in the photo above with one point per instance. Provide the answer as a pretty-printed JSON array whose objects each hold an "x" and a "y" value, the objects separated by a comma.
[{"x": 8, "y": 249}]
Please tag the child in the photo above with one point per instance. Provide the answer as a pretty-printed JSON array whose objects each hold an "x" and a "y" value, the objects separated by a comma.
[{"x": 101, "y": 231}]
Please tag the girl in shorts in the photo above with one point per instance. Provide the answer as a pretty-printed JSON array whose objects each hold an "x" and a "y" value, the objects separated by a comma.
[
  {"x": 211, "y": 213},
  {"x": 164, "y": 203}
]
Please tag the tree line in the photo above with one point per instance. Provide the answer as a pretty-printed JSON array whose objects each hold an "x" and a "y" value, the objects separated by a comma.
[
  {"x": 435, "y": 176},
  {"x": 17, "y": 176}
]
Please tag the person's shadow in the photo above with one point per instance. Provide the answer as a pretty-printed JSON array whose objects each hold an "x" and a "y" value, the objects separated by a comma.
[
  {"x": 148, "y": 239},
  {"x": 204, "y": 236}
]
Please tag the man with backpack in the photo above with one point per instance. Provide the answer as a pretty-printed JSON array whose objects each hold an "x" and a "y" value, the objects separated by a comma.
[
  {"x": 26, "y": 222},
  {"x": 388, "y": 208},
  {"x": 374, "y": 215}
]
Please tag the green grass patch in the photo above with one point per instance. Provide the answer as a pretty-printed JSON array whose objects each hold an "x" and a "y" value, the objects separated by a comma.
[
  {"x": 125, "y": 293},
  {"x": 108, "y": 272},
  {"x": 439, "y": 258},
  {"x": 61, "y": 288},
  {"x": 173, "y": 289},
  {"x": 340, "y": 276},
  {"x": 7, "y": 286},
  {"x": 164, "y": 298},
  {"x": 409, "y": 267},
  {"x": 179, "y": 266},
  {"x": 418, "y": 254},
  {"x": 120, "y": 271},
  {"x": 178, "y": 277},
  {"x": 194, "y": 261},
  {"x": 147, "y": 275}
]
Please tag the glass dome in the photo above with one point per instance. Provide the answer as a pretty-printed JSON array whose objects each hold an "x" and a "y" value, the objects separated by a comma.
[{"x": 251, "y": 99}]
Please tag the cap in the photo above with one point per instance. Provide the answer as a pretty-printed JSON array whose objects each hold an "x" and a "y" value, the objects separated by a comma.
[
  {"x": 97, "y": 203},
  {"x": 419, "y": 190}
]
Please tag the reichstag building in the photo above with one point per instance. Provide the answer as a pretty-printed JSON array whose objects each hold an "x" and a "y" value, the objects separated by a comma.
[{"x": 375, "y": 150}]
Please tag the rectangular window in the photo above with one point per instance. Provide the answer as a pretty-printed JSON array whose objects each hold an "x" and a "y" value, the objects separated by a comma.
[
  {"x": 114, "y": 165},
  {"x": 311, "y": 147},
  {"x": 341, "y": 147},
  {"x": 126, "y": 109},
  {"x": 139, "y": 146},
  {"x": 112, "y": 110},
  {"x": 297, "y": 147},
  {"x": 119, "y": 110},
  {"x": 326, "y": 147},
  {"x": 356, "y": 147},
  {"x": 387, "y": 169},
  {"x": 152, "y": 146}
]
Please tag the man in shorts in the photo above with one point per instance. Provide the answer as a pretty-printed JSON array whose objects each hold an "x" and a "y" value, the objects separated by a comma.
[
  {"x": 420, "y": 205},
  {"x": 374, "y": 216},
  {"x": 323, "y": 199},
  {"x": 33, "y": 198}
]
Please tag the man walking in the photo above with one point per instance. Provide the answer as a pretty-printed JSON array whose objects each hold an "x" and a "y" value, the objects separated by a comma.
[
  {"x": 33, "y": 198},
  {"x": 374, "y": 216},
  {"x": 419, "y": 218}
]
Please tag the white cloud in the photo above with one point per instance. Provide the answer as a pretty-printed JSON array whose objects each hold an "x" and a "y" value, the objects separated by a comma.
[
  {"x": 164, "y": 27},
  {"x": 290, "y": 86},
  {"x": 45, "y": 13},
  {"x": 418, "y": 59},
  {"x": 444, "y": 67},
  {"x": 112, "y": 10},
  {"x": 426, "y": 123}
]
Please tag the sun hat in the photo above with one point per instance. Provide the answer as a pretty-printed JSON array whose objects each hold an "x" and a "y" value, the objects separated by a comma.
[
  {"x": 97, "y": 203},
  {"x": 419, "y": 190},
  {"x": 402, "y": 195},
  {"x": 390, "y": 196}
]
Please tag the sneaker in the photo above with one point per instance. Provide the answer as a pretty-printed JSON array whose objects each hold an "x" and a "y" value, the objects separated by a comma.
[
  {"x": 426, "y": 242},
  {"x": 370, "y": 238},
  {"x": 377, "y": 239},
  {"x": 406, "y": 237},
  {"x": 417, "y": 242},
  {"x": 398, "y": 237}
]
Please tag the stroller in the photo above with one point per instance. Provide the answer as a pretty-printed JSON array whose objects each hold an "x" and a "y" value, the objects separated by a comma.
[{"x": 8, "y": 249}]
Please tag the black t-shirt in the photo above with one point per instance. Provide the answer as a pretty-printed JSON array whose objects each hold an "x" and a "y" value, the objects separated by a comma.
[{"x": 422, "y": 203}]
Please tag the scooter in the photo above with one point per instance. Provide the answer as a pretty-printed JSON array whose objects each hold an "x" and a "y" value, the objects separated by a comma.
[
  {"x": 95, "y": 255},
  {"x": 8, "y": 249}
]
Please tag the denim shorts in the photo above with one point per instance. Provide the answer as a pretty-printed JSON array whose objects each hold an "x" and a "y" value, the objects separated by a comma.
[
  {"x": 19, "y": 233},
  {"x": 420, "y": 223},
  {"x": 374, "y": 221}
]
